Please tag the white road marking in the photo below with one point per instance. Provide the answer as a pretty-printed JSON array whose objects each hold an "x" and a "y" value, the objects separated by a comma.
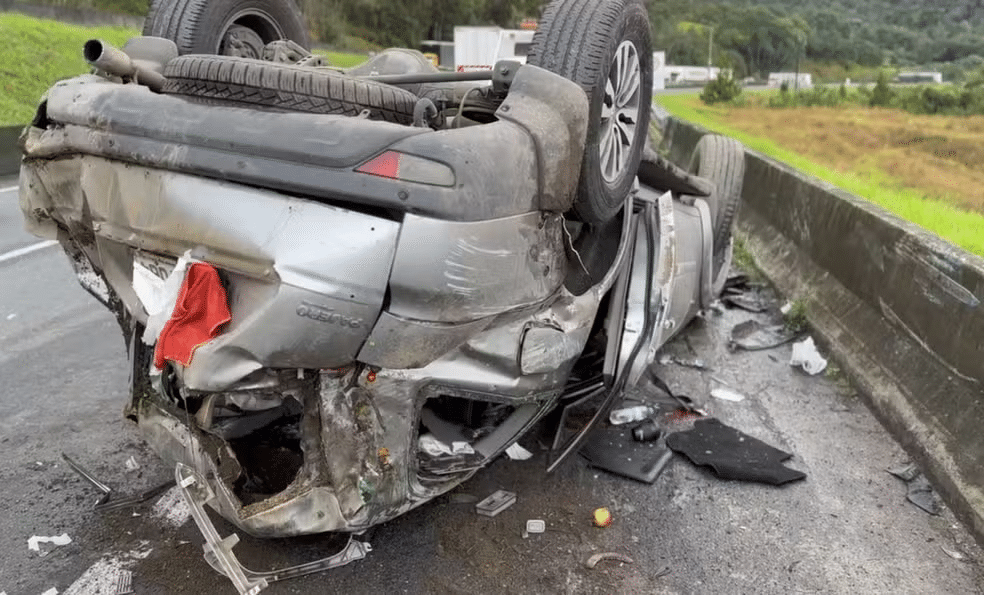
[
  {"x": 9, "y": 188},
  {"x": 172, "y": 508},
  {"x": 104, "y": 575},
  {"x": 27, "y": 250}
]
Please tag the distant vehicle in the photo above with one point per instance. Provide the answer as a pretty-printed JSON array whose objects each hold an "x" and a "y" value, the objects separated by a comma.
[
  {"x": 792, "y": 79},
  {"x": 478, "y": 48},
  {"x": 920, "y": 77}
]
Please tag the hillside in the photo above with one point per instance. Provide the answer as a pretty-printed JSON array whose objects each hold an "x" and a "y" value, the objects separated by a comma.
[
  {"x": 38, "y": 52},
  {"x": 752, "y": 36},
  {"x": 757, "y": 36}
]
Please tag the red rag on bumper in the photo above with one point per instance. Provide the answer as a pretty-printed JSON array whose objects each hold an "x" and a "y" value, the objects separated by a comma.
[{"x": 200, "y": 310}]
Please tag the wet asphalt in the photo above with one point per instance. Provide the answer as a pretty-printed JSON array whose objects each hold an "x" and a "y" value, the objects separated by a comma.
[{"x": 847, "y": 528}]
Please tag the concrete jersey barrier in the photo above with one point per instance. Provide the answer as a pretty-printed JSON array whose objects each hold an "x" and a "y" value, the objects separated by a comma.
[
  {"x": 898, "y": 307},
  {"x": 10, "y": 153}
]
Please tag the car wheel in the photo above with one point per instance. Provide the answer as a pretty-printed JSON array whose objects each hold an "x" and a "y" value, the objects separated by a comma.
[
  {"x": 243, "y": 81},
  {"x": 604, "y": 46},
  {"x": 226, "y": 27},
  {"x": 721, "y": 160}
]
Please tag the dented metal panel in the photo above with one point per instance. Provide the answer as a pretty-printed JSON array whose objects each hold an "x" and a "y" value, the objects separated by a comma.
[
  {"x": 306, "y": 281},
  {"x": 454, "y": 272}
]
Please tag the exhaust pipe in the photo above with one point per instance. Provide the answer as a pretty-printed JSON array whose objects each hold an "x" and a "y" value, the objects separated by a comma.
[{"x": 115, "y": 61}]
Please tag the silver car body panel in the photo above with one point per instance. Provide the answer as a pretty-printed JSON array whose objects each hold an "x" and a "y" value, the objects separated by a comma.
[{"x": 449, "y": 271}]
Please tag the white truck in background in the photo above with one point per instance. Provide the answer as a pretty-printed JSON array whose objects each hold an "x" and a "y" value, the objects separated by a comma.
[{"x": 478, "y": 48}]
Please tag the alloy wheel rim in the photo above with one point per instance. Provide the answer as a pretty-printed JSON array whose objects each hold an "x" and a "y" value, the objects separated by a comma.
[{"x": 620, "y": 111}]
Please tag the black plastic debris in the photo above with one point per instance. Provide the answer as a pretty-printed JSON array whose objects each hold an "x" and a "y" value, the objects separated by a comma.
[
  {"x": 752, "y": 335},
  {"x": 920, "y": 492},
  {"x": 732, "y": 454},
  {"x": 614, "y": 449}
]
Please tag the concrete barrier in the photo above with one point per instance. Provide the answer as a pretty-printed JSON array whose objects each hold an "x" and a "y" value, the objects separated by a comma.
[
  {"x": 10, "y": 153},
  {"x": 899, "y": 308}
]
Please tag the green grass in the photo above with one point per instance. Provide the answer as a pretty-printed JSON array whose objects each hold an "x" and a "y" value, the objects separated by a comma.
[
  {"x": 960, "y": 227},
  {"x": 36, "y": 53},
  {"x": 342, "y": 59}
]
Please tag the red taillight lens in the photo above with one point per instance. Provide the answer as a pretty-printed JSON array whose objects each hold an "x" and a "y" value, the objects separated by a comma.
[
  {"x": 386, "y": 165},
  {"x": 408, "y": 168}
]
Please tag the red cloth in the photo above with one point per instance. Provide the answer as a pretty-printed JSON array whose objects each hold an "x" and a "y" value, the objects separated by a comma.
[{"x": 200, "y": 310}]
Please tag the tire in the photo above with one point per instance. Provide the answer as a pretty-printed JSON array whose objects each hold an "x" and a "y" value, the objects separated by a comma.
[
  {"x": 720, "y": 160},
  {"x": 604, "y": 46},
  {"x": 227, "y": 27},
  {"x": 243, "y": 81}
]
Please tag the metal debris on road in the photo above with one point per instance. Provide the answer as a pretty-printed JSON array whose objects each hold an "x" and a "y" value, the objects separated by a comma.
[
  {"x": 593, "y": 560},
  {"x": 105, "y": 502},
  {"x": 518, "y": 453},
  {"x": 35, "y": 541},
  {"x": 919, "y": 490},
  {"x": 752, "y": 335},
  {"x": 959, "y": 556},
  {"x": 496, "y": 503},
  {"x": 740, "y": 293},
  {"x": 806, "y": 356},
  {"x": 727, "y": 395}
]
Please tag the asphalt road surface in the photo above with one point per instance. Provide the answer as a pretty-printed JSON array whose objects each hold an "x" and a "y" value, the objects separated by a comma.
[{"x": 846, "y": 529}]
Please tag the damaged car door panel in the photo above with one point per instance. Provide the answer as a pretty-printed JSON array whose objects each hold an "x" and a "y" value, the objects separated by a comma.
[{"x": 384, "y": 281}]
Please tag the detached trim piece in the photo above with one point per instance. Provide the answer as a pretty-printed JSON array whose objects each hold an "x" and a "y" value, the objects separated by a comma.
[{"x": 218, "y": 551}]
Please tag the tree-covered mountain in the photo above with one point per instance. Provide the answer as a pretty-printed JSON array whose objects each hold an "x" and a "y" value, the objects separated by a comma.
[
  {"x": 753, "y": 36},
  {"x": 761, "y": 35}
]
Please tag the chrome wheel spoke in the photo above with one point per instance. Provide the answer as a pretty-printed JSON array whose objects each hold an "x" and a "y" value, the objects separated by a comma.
[{"x": 620, "y": 111}]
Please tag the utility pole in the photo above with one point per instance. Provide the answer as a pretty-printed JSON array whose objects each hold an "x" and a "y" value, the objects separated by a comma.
[{"x": 710, "y": 46}]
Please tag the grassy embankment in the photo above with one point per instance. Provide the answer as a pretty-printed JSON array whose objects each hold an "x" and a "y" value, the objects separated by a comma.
[
  {"x": 925, "y": 169},
  {"x": 38, "y": 52}
]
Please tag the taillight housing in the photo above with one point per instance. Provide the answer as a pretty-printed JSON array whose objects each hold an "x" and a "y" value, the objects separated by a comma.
[{"x": 408, "y": 168}]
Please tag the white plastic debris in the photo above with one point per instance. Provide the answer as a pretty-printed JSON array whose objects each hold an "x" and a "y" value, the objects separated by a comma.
[
  {"x": 131, "y": 464},
  {"x": 432, "y": 446},
  {"x": 51, "y": 591},
  {"x": 630, "y": 414},
  {"x": 806, "y": 356},
  {"x": 536, "y": 526},
  {"x": 462, "y": 448},
  {"x": 35, "y": 541},
  {"x": 10, "y": 317},
  {"x": 786, "y": 308},
  {"x": 517, "y": 452},
  {"x": 727, "y": 395}
]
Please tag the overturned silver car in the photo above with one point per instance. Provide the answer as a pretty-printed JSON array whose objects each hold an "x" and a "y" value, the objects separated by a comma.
[{"x": 345, "y": 292}]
